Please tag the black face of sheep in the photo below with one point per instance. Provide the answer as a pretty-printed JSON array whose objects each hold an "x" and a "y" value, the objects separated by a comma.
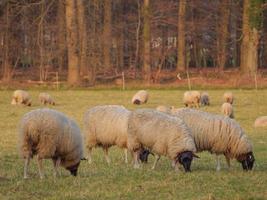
[
  {"x": 73, "y": 169},
  {"x": 185, "y": 158},
  {"x": 137, "y": 102},
  {"x": 143, "y": 156},
  {"x": 247, "y": 161}
]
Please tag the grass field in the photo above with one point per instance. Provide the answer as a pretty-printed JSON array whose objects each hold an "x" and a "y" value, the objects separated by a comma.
[{"x": 120, "y": 181}]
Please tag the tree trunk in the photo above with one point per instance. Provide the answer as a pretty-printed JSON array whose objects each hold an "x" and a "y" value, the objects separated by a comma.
[
  {"x": 146, "y": 37},
  {"x": 7, "y": 66},
  {"x": 181, "y": 56},
  {"x": 72, "y": 43},
  {"x": 82, "y": 38},
  {"x": 107, "y": 34},
  {"x": 250, "y": 41},
  {"x": 61, "y": 35},
  {"x": 222, "y": 34}
]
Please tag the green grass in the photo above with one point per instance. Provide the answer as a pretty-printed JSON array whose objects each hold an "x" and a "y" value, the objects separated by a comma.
[{"x": 120, "y": 181}]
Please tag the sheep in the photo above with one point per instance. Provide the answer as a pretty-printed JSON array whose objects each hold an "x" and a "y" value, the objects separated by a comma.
[
  {"x": 204, "y": 99},
  {"x": 21, "y": 97},
  {"x": 227, "y": 110},
  {"x": 220, "y": 135},
  {"x": 165, "y": 109},
  {"x": 261, "y": 121},
  {"x": 162, "y": 134},
  {"x": 228, "y": 97},
  {"x": 106, "y": 126},
  {"x": 48, "y": 133},
  {"x": 46, "y": 98},
  {"x": 191, "y": 99},
  {"x": 140, "y": 97}
]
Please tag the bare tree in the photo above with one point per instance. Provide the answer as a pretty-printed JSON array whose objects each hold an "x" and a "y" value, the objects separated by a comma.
[
  {"x": 146, "y": 38},
  {"x": 181, "y": 56},
  {"x": 72, "y": 41}
]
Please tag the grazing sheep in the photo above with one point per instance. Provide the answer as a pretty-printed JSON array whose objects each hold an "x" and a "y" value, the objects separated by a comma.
[
  {"x": 227, "y": 110},
  {"x": 106, "y": 126},
  {"x": 140, "y": 97},
  {"x": 191, "y": 98},
  {"x": 228, "y": 97},
  {"x": 48, "y": 133},
  {"x": 162, "y": 134},
  {"x": 45, "y": 98},
  {"x": 204, "y": 99},
  {"x": 261, "y": 121},
  {"x": 21, "y": 97},
  {"x": 165, "y": 109},
  {"x": 218, "y": 134}
]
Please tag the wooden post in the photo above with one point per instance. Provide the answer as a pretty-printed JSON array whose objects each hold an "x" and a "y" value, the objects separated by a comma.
[
  {"x": 188, "y": 80},
  {"x": 256, "y": 81},
  {"x": 57, "y": 80},
  {"x": 123, "y": 81}
]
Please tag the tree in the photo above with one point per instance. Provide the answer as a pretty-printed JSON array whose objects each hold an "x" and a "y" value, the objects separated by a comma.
[
  {"x": 82, "y": 38},
  {"x": 222, "y": 33},
  {"x": 107, "y": 34},
  {"x": 72, "y": 43},
  {"x": 252, "y": 18},
  {"x": 146, "y": 38},
  {"x": 7, "y": 66},
  {"x": 181, "y": 56}
]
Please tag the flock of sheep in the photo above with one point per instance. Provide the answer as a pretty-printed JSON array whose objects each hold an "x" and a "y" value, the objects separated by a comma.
[{"x": 177, "y": 133}]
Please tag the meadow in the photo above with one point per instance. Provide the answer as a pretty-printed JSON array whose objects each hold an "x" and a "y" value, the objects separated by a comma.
[{"x": 121, "y": 181}]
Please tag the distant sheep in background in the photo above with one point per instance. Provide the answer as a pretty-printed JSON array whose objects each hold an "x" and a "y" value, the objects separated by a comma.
[
  {"x": 165, "y": 109},
  {"x": 163, "y": 135},
  {"x": 227, "y": 110},
  {"x": 48, "y": 133},
  {"x": 218, "y": 134},
  {"x": 106, "y": 126},
  {"x": 261, "y": 121},
  {"x": 140, "y": 97},
  {"x": 228, "y": 97},
  {"x": 46, "y": 98},
  {"x": 21, "y": 97},
  {"x": 191, "y": 99},
  {"x": 204, "y": 99}
]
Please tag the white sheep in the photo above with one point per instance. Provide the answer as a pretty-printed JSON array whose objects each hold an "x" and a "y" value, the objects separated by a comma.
[
  {"x": 228, "y": 97},
  {"x": 46, "y": 98},
  {"x": 21, "y": 97},
  {"x": 191, "y": 99},
  {"x": 48, "y": 133},
  {"x": 261, "y": 121},
  {"x": 165, "y": 109},
  {"x": 162, "y": 134},
  {"x": 218, "y": 134},
  {"x": 204, "y": 99},
  {"x": 140, "y": 97},
  {"x": 106, "y": 126},
  {"x": 227, "y": 110}
]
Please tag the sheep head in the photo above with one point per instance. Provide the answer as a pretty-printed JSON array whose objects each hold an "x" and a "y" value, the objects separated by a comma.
[
  {"x": 185, "y": 158},
  {"x": 247, "y": 160}
]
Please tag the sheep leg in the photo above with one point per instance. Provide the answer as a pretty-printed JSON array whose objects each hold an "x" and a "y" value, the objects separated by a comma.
[
  {"x": 157, "y": 157},
  {"x": 136, "y": 162},
  {"x": 228, "y": 162},
  {"x": 126, "y": 155},
  {"x": 106, "y": 154},
  {"x": 26, "y": 165},
  {"x": 89, "y": 155},
  {"x": 40, "y": 167},
  {"x": 218, "y": 167},
  {"x": 56, "y": 165}
]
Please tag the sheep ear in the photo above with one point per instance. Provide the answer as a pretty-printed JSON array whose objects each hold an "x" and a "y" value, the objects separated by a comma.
[
  {"x": 196, "y": 156},
  {"x": 83, "y": 158}
]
